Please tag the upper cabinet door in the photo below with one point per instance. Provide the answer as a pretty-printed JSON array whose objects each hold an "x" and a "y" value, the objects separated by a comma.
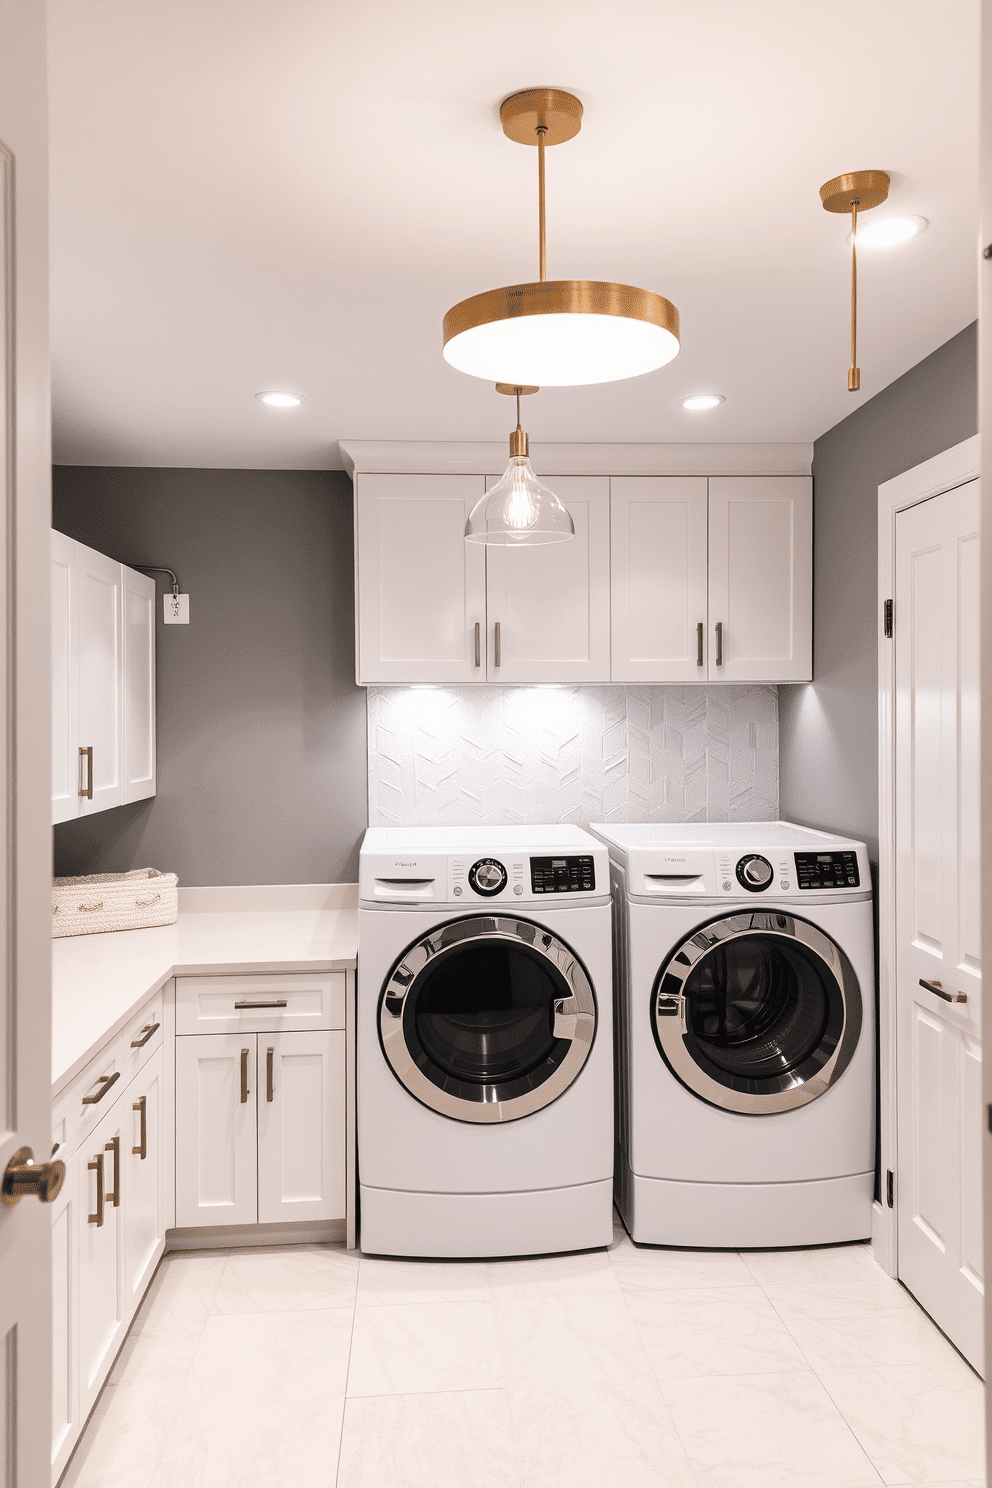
[
  {"x": 658, "y": 578},
  {"x": 551, "y": 603},
  {"x": 100, "y": 663},
  {"x": 65, "y": 680},
  {"x": 139, "y": 685},
  {"x": 760, "y": 599},
  {"x": 421, "y": 588}
]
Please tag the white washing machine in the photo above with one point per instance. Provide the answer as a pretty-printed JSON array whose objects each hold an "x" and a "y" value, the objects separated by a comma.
[
  {"x": 745, "y": 1034},
  {"x": 485, "y": 1050}
]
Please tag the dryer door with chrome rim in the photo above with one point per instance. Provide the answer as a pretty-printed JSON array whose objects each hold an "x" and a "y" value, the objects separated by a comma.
[
  {"x": 757, "y": 1012},
  {"x": 487, "y": 1019}
]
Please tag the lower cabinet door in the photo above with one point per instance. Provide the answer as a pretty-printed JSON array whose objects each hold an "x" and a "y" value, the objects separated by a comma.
[
  {"x": 144, "y": 1163},
  {"x": 100, "y": 1232},
  {"x": 216, "y": 1160},
  {"x": 301, "y": 1136},
  {"x": 65, "y": 1273}
]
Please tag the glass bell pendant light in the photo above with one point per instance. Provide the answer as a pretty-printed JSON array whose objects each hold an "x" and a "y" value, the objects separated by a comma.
[{"x": 518, "y": 510}]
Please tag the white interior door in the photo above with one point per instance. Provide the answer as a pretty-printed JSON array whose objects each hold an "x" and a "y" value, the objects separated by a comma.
[
  {"x": 658, "y": 553},
  {"x": 99, "y": 611},
  {"x": 25, "y": 735},
  {"x": 938, "y": 899},
  {"x": 216, "y": 1154},
  {"x": 65, "y": 680},
  {"x": 552, "y": 601},
  {"x": 301, "y": 1137},
  {"x": 139, "y": 685},
  {"x": 421, "y": 588}
]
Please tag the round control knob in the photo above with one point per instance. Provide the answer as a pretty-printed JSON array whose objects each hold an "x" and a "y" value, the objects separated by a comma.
[
  {"x": 755, "y": 873},
  {"x": 487, "y": 877}
]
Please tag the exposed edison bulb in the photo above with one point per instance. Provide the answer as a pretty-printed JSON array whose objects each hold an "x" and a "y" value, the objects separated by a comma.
[{"x": 519, "y": 509}]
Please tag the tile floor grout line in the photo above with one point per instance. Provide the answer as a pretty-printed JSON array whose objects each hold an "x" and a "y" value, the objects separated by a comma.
[{"x": 347, "y": 1373}]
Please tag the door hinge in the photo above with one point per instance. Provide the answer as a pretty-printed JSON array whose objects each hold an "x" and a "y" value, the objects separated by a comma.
[
  {"x": 887, "y": 612},
  {"x": 890, "y": 1188}
]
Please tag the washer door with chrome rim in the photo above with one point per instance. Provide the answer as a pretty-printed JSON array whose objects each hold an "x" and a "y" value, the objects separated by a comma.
[
  {"x": 757, "y": 1012},
  {"x": 487, "y": 1019}
]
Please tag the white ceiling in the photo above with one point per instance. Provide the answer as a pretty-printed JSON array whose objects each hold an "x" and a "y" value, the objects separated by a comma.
[{"x": 248, "y": 195}]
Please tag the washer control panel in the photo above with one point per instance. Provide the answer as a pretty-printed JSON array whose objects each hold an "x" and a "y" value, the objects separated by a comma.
[
  {"x": 487, "y": 877},
  {"x": 568, "y": 875},
  {"x": 830, "y": 870}
]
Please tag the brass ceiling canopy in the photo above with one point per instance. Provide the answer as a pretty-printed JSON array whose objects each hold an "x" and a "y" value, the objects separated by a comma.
[
  {"x": 856, "y": 192},
  {"x": 559, "y": 332}
]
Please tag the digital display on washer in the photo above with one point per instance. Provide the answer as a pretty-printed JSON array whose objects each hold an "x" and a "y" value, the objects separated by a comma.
[
  {"x": 831, "y": 870},
  {"x": 561, "y": 875}
]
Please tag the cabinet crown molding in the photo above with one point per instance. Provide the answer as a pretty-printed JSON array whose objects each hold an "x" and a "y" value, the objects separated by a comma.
[{"x": 412, "y": 457}]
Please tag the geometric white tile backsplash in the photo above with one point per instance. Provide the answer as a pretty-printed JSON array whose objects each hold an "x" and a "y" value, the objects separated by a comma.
[{"x": 501, "y": 755}]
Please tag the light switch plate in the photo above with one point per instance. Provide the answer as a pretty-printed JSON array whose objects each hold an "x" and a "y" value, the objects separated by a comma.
[{"x": 176, "y": 608}]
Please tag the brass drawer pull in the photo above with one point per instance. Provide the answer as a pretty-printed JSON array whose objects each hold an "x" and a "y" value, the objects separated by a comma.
[
  {"x": 146, "y": 1033},
  {"x": 719, "y": 643},
  {"x": 478, "y": 645},
  {"x": 87, "y": 755},
  {"x": 497, "y": 649},
  {"x": 105, "y": 1083},
  {"x": 699, "y": 644},
  {"x": 269, "y": 1056},
  {"x": 114, "y": 1146},
  {"x": 939, "y": 991},
  {"x": 244, "y": 1077},
  {"x": 277, "y": 1002},
  {"x": 142, "y": 1149},
  {"x": 96, "y": 1166}
]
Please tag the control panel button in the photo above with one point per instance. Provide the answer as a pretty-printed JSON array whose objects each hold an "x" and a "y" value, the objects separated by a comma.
[
  {"x": 487, "y": 877},
  {"x": 754, "y": 873}
]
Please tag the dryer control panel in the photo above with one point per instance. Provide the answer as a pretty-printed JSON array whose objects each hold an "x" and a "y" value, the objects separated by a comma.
[
  {"x": 568, "y": 875},
  {"x": 830, "y": 870}
]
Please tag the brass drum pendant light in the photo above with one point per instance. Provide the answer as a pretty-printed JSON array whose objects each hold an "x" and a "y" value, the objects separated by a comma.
[
  {"x": 854, "y": 193},
  {"x": 518, "y": 510},
  {"x": 558, "y": 332}
]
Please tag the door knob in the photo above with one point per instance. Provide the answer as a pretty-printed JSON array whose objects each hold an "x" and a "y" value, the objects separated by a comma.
[{"x": 24, "y": 1176}]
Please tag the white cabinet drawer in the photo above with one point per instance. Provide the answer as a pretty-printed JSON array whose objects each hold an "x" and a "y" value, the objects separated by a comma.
[
  {"x": 142, "y": 1036},
  {"x": 90, "y": 1096},
  {"x": 278, "y": 1003}
]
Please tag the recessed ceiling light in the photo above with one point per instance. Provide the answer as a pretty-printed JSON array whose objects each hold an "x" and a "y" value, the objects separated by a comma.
[
  {"x": 280, "y": 400},
  {"x": 701, "y": 401},
  {"x": 886, "y": 232}
]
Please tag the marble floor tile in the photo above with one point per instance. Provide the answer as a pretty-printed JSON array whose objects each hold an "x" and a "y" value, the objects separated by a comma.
[
  {"x": 253, "y": 1444},
  {"x": 87, "y": 1442},
  {"x": 918, "y": 1424},
  {"x": 589, "y": 1338},
  {"x": 271, "y": 1356},
  {"x": 181, "y": 1294},
  {"x": 299, "y": 1279},
  {"x": 713, "y": 1330},
  {"x": 872, "y": 1292},
  {"x": 416, "y": 1348},
  {"x": 801, "y": 1267},
  {"x": 641, "y": 1268},
  {"x": 588, "y": 1273},
  {"x": 880, "y": 1336},
  {"x": 133, "y": 1427},
  {"x": 145, "y": 1356},
  {"x": 391, "y": 1283},
  {"x": 766, "y": 1431},
  {"x": 458, "y": 1439},
  {"x": 577, "y": 1434}
]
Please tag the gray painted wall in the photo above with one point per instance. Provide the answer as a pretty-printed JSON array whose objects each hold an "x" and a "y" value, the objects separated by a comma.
[
  {"x": 828, "y": 729},
  {"x": 261, "y": 729}
]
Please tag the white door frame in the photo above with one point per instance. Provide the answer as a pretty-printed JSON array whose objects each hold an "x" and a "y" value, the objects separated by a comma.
[{"x": 951, "y": 468}]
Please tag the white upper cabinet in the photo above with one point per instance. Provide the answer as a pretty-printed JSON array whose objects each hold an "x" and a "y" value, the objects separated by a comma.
[
  {"x": 761, "y": 578},
  {"x": 103, "y": 681},
  {"x": 420, "y": 587},
  {"x": 658, "y": 578},
  {"x": 548, "y": 607}
]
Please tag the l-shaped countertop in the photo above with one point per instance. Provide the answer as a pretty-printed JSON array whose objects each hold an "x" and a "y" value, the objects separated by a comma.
[{"x": 100, "y": 981}]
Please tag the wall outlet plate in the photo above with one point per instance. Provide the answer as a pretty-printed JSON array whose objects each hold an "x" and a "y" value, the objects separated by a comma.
[{"x": 176, "y": 608}]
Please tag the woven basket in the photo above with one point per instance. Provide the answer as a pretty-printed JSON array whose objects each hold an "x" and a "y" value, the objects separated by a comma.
[{"x": 114, "y": 901}]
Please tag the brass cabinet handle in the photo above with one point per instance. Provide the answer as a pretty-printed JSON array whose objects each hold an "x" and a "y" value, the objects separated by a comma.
[
  {"x": 940, "y": 991},
  {"x": 96, "y": 1166},
  {"x": 142, "y": 1149},
  {"x": 719, "y": 643},
  {"x": 87, "y": 755},
  {"x": 496, "y": 646},
  {"x": 105, "y": 1083},
  {"x": 269, "y": 1055},
  {"x": 276, "y": 1002},
  {"x": 146, "y": 1033},
  {"x": 23, "y": 1176},
  {"x": 478, "y": 644},
  {"x": 244, "y": 1077},
  {"x": 114, "y": 1146},
  {"x": 699, "y": 643}
]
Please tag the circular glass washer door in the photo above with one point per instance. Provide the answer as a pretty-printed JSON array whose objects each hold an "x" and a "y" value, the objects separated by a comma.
[
  {"x": 757, "y": 1012},
  {"x": 487, "y": 1019}
]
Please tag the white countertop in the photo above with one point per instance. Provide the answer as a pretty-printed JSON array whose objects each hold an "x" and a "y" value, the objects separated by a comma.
[{"x": 99, "y": 981}]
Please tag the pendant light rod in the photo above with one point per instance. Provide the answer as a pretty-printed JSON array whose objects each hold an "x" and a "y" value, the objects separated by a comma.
[
  {"x": 542, "y": 130},
  {"x": 854, "y": 375},
  {"x": 857, "y": 191}
]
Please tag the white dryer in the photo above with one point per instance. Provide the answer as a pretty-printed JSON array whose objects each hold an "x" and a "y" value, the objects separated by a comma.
[
  {"x": 485, "y": 1052},
  {"x": 745, "y": 1034}
]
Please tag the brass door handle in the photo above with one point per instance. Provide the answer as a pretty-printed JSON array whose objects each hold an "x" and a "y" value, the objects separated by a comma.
[
  {"x": 114, "y": 1146},
  {"x": 496, "y": 646},
  {"x": 940, "y": 991},
  {"x": 269, "y": 1055},
  {"x": 146, "y": 1033},
  {"x": 105, "y": 1083},
  {"x": 23, "y": 1176},
  {"x": 719, "y": 643},
  {"x": 87, "y": 755},
  {"x": 142, "y": 1149},
  {"x": 96, "y": 1166},
  {"x": 277, "y": 1002},
  {"x": 699, "y": 643},
  {"x": 244, "y": 1077},
  {"x": 478, "y": 644}
]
